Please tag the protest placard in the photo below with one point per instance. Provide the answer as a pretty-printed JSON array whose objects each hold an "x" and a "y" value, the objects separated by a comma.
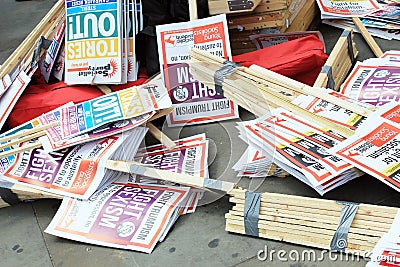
[
  {"x": 375, "y": 147},
  {"x": 93, "y": 42},
  {"x": 124, "y": 104},
  {"x": 53, "y": 140},
  {"x": 193, "y": 101},
  {"x": 375, "y": 84},
  {"x": 128, "y": 216}
]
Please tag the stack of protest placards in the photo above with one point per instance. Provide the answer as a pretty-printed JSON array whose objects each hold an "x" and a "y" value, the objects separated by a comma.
[
  {"x": 375, "y": 81},
  {"x": 194, "y": 102},
  {"x": 76, "y": 171},
  {"x": 136, "y": 211},
  {"x": 100, "y": 42},
  {"x": 298, "y": 146},
  {"x": 384, "y": 23}
]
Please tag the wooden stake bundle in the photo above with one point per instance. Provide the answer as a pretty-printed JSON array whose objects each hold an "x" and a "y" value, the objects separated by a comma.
[
  {"x": 339, "y": 61},
  {"x": 311, "y": 222}
]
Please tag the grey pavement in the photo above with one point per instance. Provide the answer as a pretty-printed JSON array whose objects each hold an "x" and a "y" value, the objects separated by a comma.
[{"x": 199, "y": 239}]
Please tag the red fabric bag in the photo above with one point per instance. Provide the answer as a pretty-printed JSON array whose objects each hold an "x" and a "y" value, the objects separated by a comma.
[{"x": 300, "y": 59}]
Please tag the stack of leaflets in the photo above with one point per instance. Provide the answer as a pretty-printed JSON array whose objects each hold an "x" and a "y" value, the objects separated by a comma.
[
  {"x": 375, "y": 81},
  {"x": 100, "y": 41},
  {"x": 383, "y": 23},
  {"x": 298, "y": 146},
  {"x": 194, "y": 102}
]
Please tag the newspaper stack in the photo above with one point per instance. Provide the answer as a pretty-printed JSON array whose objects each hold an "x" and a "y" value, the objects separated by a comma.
[
  {"x": 387, "y": 250},
  {"x": 100, "y": 37},
  {"x": 375, "y": 81},
  {"x": 382, "y": 22},
  {"x": 136, "y": 212}
]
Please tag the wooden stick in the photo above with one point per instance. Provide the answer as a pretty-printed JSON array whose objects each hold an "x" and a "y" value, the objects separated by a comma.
[
  {"x": 367, "y": 37},
  {"x": 28, "y": 132},
  {"x": 193, "y": 10},
  {"x": 20, "y": 149},
  {"x": 180, "y": 178},
  {"x": 23, "y": 139}
]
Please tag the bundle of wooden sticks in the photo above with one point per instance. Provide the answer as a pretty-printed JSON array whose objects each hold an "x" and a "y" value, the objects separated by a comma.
[{"x": 310, "y": 221}]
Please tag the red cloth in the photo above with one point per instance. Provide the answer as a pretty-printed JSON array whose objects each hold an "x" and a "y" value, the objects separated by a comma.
[
  {"x": 300, "y": 59},
  {"x": 40, "y": 97}
]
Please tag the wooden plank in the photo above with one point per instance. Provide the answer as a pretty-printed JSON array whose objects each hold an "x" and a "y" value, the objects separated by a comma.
[{"x": 368, "y": 37}]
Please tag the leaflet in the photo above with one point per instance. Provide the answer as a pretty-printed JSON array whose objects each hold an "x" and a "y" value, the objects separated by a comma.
[
  {"x": 127, "y": 216},
  {"x": 77, "y": 171},
  {"x": 357, "y": 8},
  {"x": 93, "y": 42},
  {"x": 375, "y": 84},
  {"x": 124, "y": 104},
  {"x": 194, "y": 102}
]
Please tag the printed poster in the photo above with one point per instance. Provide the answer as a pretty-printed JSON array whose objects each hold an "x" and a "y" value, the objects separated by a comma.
[
  {"x": 194, "y": 102},
  {"x": 127, "y": 216},
  {"x": 375, "y": 85},
  {"x": 347, "y": 8},
  {"x": 93, "y": 42}
]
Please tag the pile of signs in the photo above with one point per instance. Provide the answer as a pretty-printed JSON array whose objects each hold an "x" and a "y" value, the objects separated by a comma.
[
  {"x": 381, "y": 20},
  {"x": 263, "y": 17}
]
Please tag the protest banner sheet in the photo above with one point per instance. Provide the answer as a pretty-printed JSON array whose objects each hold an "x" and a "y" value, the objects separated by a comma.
[
  {"x": 375, "y": 146},
  {"x": 124, "y": 104},
  {"x": 127, "y": 216},
  {"x": 93, "y": 42},
  {"x": 359, "y": 8},
  {"x": 77, "y": 171},
  {"x": 376, "y": 84},
  {"x": 47, "y": 62},
  {"x": 194, "y": 102}
]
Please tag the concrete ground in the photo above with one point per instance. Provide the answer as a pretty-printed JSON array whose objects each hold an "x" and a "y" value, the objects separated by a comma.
[{"x": 196, "y": 240}]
